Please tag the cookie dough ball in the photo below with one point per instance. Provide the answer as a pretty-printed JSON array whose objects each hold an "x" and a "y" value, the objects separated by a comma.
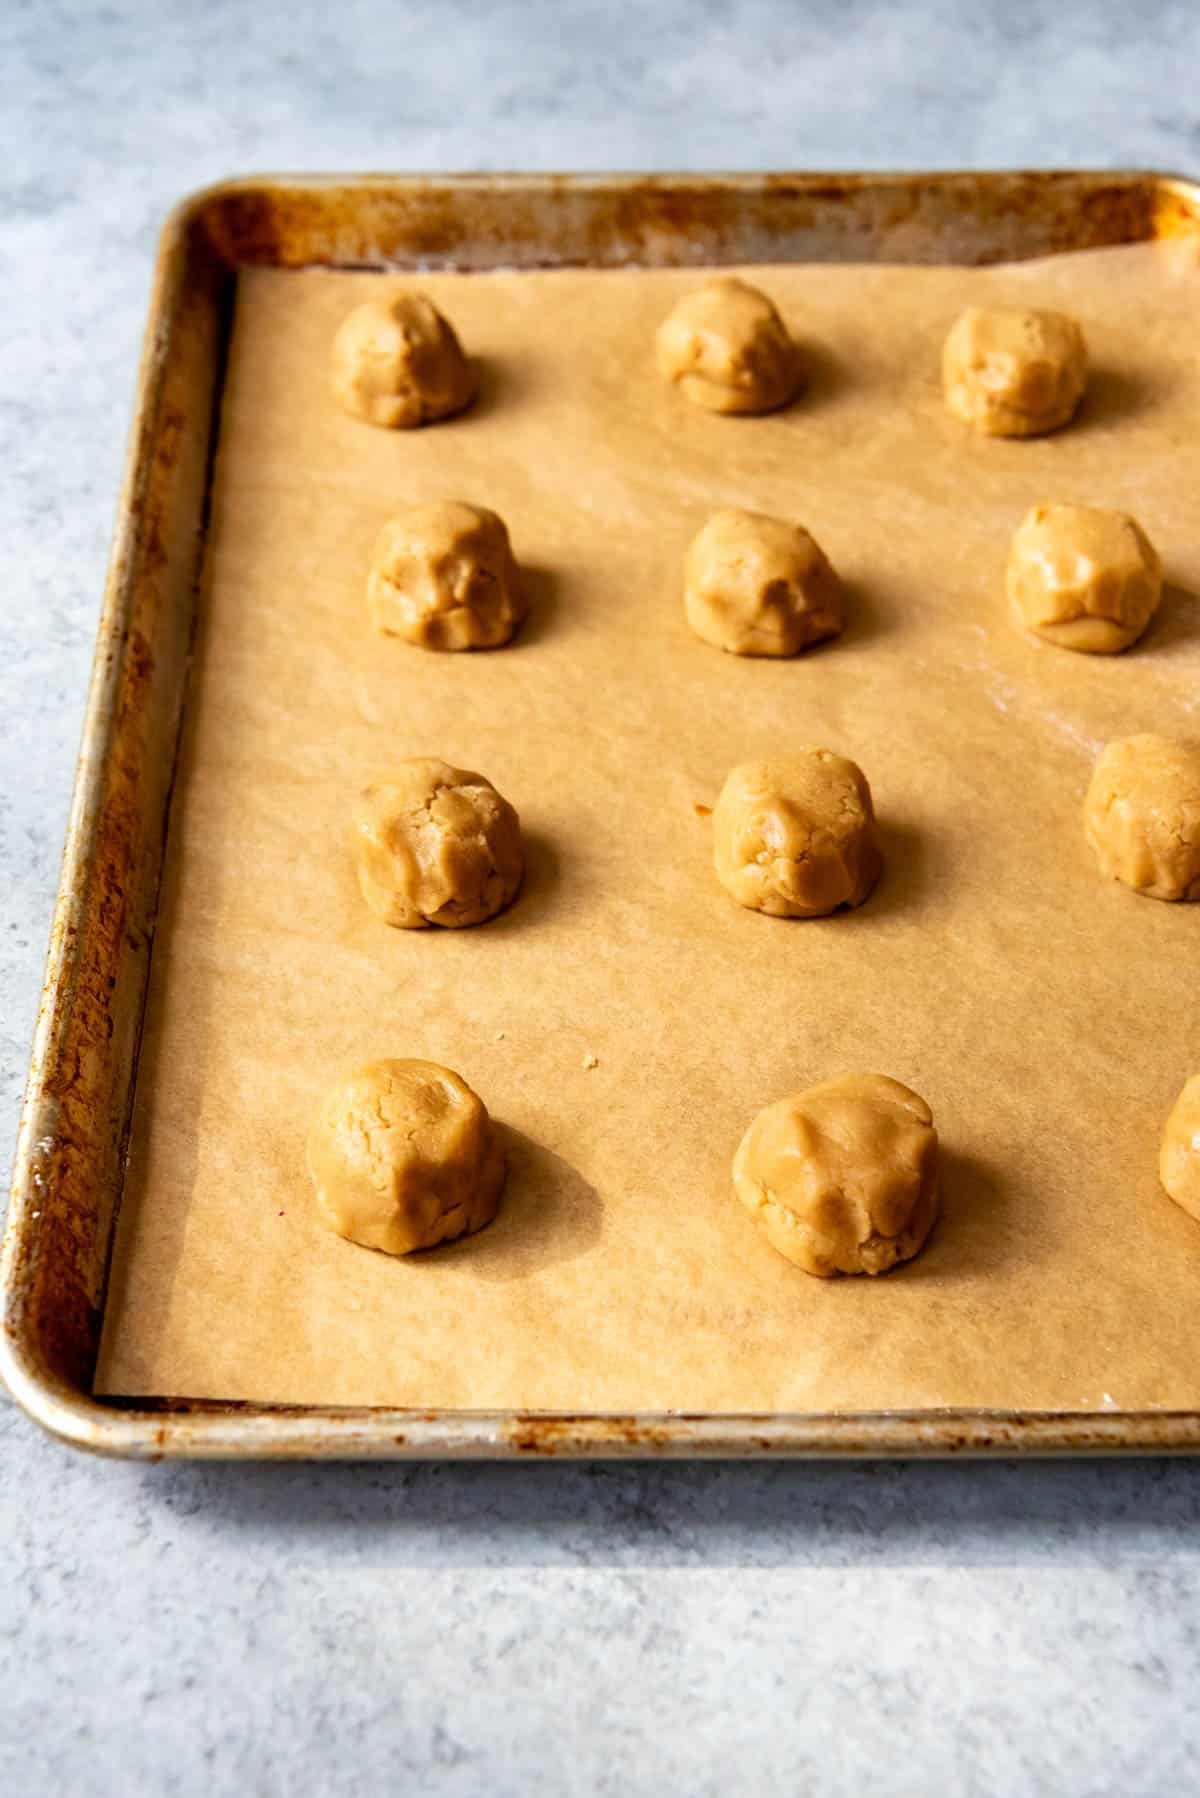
[
  {"x": 1179, "y": 1157},
  {"x": 843, "y": 1178},
  {"x": 403, "y": 1156},
  {"x": 1083, "y": 577},
  {"x": 1142, "y": 815},
  {"x": 759, "y": 586},
  {"x": 444, "y": 576},
  {"x": 728, "y": 349},
  {"x": 397, "y": 363},
  {"x": 435, "y": 845},
  {"x": 796, "y": 836},
  {"x": 1013, "y": 371}
]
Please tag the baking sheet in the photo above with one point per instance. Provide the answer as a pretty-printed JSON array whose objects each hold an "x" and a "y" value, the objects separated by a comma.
[{"x": 1048, "y": 1017}]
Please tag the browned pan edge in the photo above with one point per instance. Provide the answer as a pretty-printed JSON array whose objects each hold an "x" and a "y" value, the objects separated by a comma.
[{"x": 71, "y": 1145}]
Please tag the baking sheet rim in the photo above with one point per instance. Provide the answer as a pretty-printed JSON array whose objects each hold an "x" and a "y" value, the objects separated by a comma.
[{"x": 212, "y": 1430}]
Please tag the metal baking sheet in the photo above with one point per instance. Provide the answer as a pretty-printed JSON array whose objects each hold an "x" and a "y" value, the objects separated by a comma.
[{"x": 70, "y": 1154}]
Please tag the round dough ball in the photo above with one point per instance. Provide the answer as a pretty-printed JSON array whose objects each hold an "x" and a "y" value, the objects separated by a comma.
[
  {"x": 1083, "y": 577},
  {"x": 403, "y": 1155},
  {"x": 1142, "y": 815},
  {"x": 843, "y": 1178},
  {"x": 796, "y": 836},
  {"x": 397, "y": 363},
  {"x": 1013, "y": 371},
  {"x": 758, "y": 586},
  {"x": 435, "y": 845},
  {"x": 1179, "y": 1157},
  {"x": 728, "y": 349},
  {"x": 444, "y": 576}
]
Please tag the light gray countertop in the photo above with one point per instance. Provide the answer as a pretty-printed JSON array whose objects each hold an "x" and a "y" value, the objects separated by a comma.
[{"x": 954, "y": 1629}]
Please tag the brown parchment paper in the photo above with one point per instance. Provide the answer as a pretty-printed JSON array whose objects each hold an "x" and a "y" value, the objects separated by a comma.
[{"x": 1048, "y": 1016}]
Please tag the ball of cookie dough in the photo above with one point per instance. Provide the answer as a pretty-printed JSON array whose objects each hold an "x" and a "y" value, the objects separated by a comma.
[
  {"x": 397, "y": 363},
  {"x": 795, "y": 836},
  {"x": 435, "y": 845},
  {"x": 444, "y": 576},
  {"x": 403, "y": 1156},
  {"x": 1013, "y": 371},
  {"x": 843, "y": 1178},
  {"x": 1142, "y": 814},
  {"x": 1083, "y": 577},
  {"x": 759, "y": 586},
  {"x": 1179, "y": 1157},
  {"x": 728, "y": 350}
]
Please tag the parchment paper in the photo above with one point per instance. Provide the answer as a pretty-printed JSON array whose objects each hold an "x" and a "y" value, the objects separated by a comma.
[{"x": 1048, "y": 1016}]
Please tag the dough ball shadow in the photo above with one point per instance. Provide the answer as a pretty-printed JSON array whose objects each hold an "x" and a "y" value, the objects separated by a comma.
[
  {"x": 549, "y": 1213},
  {"x": 823, "y": 376},
  {"x": 1112, "y": 397},
  {"x": 541, "y": 587},
  {"x": 1177, "y": 621},
  {"x": 906, "y": 876},
  {"x": 538, "y": 889},
  {"x": 504, "y": 381},
  {"x": 974, "y": 1232},
  {"x": 867, "y": 618}
]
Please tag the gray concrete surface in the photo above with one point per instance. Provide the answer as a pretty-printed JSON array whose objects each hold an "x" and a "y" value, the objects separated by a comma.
[{"x": 630, "y": 1630}]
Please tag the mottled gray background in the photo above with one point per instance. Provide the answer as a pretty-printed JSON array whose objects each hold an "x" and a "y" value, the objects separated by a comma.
[{"x": 889, "y": 1630}]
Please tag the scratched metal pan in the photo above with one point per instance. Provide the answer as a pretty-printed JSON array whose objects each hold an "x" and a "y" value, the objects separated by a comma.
[{"x": 71, "y": 1148}]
